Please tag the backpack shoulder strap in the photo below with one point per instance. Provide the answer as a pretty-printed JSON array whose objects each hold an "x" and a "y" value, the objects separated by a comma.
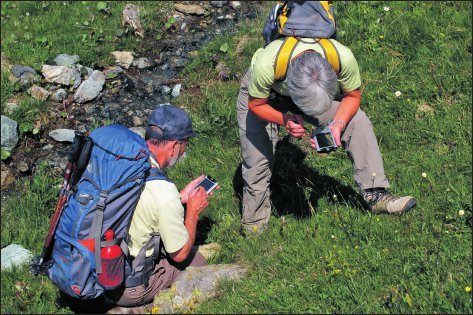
[
  {"x": 157, "y": 174},
  {"x": 331, "y": 54},
  {"x": 282, "y": 58}
]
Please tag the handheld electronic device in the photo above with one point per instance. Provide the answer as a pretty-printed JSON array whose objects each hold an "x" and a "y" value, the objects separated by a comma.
[
  {"x": 324, "y": 139},
  {"x": 208, "y": 183}
]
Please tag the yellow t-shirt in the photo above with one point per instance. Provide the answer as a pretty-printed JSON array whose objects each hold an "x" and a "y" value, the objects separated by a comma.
[
  {"x": 159, "y": 210},
  {"x": 262, "y": 68}
]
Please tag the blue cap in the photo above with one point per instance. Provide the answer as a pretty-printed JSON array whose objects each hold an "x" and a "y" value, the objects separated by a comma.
[{"x": 173, "y": 121}]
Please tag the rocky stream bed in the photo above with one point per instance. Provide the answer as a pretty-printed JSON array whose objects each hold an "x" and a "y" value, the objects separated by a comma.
[{"x": 131, "y": 88}]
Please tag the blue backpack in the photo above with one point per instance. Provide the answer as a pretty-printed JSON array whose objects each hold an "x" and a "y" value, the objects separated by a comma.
[{"x": 104, "y": 199}]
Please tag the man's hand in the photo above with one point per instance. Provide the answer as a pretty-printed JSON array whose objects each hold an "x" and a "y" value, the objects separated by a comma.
[
  {"x": 294, "y": 125},
  {"x": 188, "y": 189},
  {"x": 197, "y": 201},
  {"x": 337, "y": 128}
]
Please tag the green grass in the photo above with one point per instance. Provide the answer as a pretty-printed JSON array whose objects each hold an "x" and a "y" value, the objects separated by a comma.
[{"x": 337, "y": 258}]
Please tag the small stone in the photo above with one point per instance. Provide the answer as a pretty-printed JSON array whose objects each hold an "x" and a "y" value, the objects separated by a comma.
[
  {"x": 176, "y": 91},
  {"x": 66, "y": 60},
  {"x": 235, "y": 4},
  {"x": 23, "y": 167},
  {"x": 11, "y": 107},
  {"x": 143, "y": 63},
  {"x": 165, "y": 90},
  {"x": 38, "y": 93},
  {"x": 123, "y": 58},
  {"x": 62, "y": 135},
  {"x": 7, "y": 178},
  {"x": 137, "y": 121},
  {"x": 112, "y": 72},
  {"x": 218, "y": 4},
  {"x": 59, "y": 95},
  {"x": 189, "y": 8}
]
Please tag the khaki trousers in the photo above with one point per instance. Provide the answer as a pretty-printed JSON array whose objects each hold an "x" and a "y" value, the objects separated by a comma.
[
  {"x": 258, "y": 142},
  {"x": 164, "y": 275}
]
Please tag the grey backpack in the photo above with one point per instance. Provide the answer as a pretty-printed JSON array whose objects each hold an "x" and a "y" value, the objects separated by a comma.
[{"x": 314, "y": 19}]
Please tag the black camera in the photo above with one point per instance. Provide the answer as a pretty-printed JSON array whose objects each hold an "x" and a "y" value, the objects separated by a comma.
[
  {"x": 324, "y": 140},
  {"x": 208, "y": 183}
]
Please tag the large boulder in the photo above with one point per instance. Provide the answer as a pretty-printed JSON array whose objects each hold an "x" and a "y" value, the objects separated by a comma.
[{"x": 9, "y": 133}]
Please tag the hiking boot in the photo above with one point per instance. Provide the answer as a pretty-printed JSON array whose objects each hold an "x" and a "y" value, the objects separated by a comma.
[{"x": 380, "y": 200}]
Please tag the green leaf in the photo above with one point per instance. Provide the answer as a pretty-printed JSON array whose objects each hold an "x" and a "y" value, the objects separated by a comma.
[
  {"x": 5, "y": 154},
  {"x": 35, "y": 131},
  {"x": 25, "y": 126},
  {"x": 101, "y": 5},
  {"x": 224, "y": 47}
]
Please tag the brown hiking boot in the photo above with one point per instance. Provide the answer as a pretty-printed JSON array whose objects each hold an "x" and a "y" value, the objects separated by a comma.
[{"x": 380, "y": 200}]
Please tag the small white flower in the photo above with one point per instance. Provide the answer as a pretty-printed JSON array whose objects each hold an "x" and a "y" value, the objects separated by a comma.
[
  {"x": 386, "y": 9},
  {"x": 373, "y": 174},
  {"x": 461, "y": 213},
  {"x": 333, "y": 236},
  {"x": 398, "y": 93},
  {"x": 27, "y": 14},
  {"x": 424, "y": 175},
  {"x": 334, "y": 196}
]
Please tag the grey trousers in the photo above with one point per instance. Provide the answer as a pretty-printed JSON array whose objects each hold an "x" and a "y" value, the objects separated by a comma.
[{"x": 258, "y": 142}]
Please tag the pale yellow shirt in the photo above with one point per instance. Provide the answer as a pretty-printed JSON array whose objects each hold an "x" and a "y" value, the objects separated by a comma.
[
  {"x": 160, "y": 210},
  {"x": 262, "y": 68}
]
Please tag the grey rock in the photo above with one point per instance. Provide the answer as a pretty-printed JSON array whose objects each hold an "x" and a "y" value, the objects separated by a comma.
[
  {"x": 9, "y": 133},
  {"x": 218, "y": 4},
  {"x": 176, "y": 91},
  {"x": 11, "y": 107},
  {"x": 189, "y": 8},
  {"x": 235, "y": 4},
  {"x": 59, "y": 95},
  {"x": 19, "y": 70},
  {"x": 123, "y": 58},
  {"x": 14, "y": 256},
  {"x": 112, "y": 72},
  {"x": 84, "y": 71},
  {"x": 60, "y": 74},
  {"x": 137, "y": 121},
  {"x": 180, "y": 62},
  {"x": 230, "y": 16},
  {"x": 90, "y": 88},
  {"x": 66, "y": 60},
  {"x": 62, "y": 135},
  {"x": 165, "y": 90},
  {"x": 38, "y": 93},
  {"x": 131, "y": 16},
  {"x": 195, "y": 285},
  {"x": 143, "y": 63},
  {"x": 23, "y": 166},
  {"x": 76, "y": 77}
]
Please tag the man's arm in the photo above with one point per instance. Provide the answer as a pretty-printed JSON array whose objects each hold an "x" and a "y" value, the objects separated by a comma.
[
  {"x": 293, "y": 123},
  {"x": 345, "y": 112},
  {"x": 196, "y": 204}
]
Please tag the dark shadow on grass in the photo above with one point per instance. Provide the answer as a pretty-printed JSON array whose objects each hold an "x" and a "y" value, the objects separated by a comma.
[
  {"x": 204, "y": 226},
  {"x": 93, "y": 306},
  {"x": 292, "y": 177}
]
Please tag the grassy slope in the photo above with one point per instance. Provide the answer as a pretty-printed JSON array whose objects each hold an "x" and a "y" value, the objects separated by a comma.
[{"x": 338, "y": 258}]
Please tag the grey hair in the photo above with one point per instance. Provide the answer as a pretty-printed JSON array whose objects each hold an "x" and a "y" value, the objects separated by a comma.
[{"x": 312, "y": 83}]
